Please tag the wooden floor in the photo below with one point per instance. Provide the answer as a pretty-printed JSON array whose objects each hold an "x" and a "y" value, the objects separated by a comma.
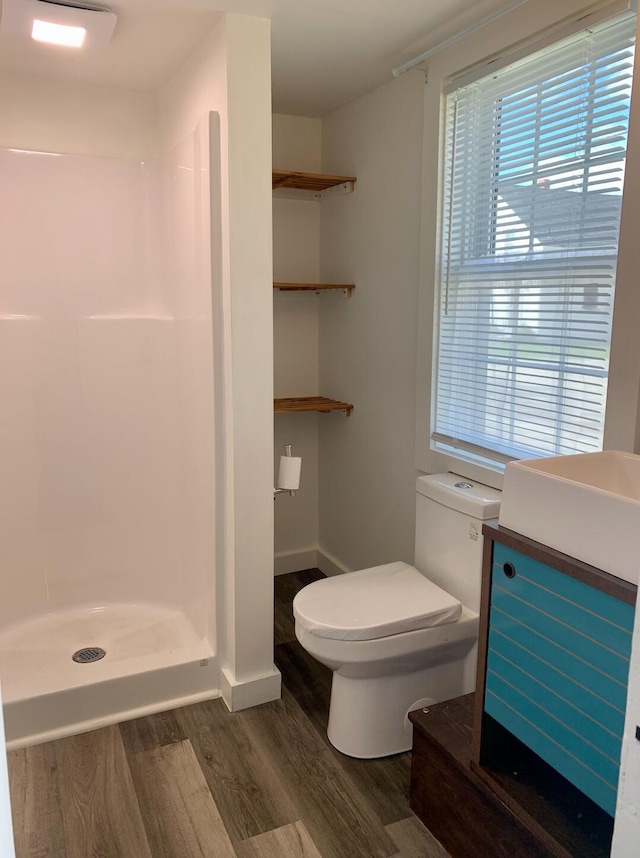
[{"x": 201, "y": 781}]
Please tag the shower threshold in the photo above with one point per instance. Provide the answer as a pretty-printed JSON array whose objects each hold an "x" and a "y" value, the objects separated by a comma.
[{"x": 154, "y": 660}]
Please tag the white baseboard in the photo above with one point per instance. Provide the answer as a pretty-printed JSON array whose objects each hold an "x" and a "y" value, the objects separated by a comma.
[
  {"x": 309, "y": 559},
  {"x": 295, "y": 561},
  {"x": 252, "y": 692},
  {"x": 330, "y": 565}
]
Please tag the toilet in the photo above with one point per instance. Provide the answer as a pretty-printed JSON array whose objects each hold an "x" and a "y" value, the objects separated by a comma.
[{"x": 399, "y": 637}]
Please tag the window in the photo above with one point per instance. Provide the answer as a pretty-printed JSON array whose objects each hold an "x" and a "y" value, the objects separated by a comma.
[{"x": 534, "y": 169}]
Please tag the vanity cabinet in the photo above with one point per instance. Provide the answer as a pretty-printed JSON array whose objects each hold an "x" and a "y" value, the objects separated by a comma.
[{"x": 553, "y": 665}]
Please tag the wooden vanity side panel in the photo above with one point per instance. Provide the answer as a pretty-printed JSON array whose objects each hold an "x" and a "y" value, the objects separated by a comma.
[{"x": 483, "y": 642}]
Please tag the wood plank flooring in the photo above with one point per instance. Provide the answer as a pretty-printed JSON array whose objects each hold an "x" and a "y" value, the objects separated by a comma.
[
  {"x": 180, "y": 814},
  {"x": 201, "y": 781}
]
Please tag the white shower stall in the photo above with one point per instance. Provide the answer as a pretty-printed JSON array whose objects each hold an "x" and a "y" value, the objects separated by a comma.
[
  {"x": 108, "y": 473},
  {"x": 136, "y": 386}
]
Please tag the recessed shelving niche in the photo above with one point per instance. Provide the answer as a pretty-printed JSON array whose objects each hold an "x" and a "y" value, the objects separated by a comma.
[{"x": 314, "y": 186}]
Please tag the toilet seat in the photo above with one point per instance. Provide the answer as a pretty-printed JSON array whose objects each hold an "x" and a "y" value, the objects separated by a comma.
[{"x": 374, "y": 603}]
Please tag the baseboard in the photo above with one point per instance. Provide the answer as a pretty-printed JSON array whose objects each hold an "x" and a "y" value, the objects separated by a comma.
[
  {"x": 252, "y": 692},
  {"x": 309, "y": 559},
  {"x": 295, "y": 561},
  {"x": 330, "y": 565}
]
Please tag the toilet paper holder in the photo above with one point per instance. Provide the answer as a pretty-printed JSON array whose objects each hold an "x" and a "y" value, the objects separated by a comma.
[{"x": 289, "y": 473}]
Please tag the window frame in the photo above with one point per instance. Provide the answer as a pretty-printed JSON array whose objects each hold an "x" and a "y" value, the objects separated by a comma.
[{"x": 445, "y": 74}]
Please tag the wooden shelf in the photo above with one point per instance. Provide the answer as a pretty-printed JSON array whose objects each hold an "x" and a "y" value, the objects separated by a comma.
[
  {"x": 310, "y": 403},
  {"x": 313, "y": 287},
  {"x": 307, "y": 181}
]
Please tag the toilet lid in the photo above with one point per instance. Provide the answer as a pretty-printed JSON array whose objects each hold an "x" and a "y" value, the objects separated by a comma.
[{"x": 373, "y": 603}]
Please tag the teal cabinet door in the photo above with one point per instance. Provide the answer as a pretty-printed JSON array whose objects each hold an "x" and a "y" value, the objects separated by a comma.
[{"x": 557, "y": 669}]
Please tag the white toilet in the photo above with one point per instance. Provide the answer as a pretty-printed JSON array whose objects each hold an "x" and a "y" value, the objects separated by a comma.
[{"x": 397, "y": 636}]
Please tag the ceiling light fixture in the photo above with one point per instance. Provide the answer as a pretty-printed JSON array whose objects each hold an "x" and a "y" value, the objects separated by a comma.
[
  {"x": 68, "y": 24},
  {"x": 58, "y": 34}
]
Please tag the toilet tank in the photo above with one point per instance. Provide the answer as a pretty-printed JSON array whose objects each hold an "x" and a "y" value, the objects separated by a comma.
[{"x": 449, "y": 513}]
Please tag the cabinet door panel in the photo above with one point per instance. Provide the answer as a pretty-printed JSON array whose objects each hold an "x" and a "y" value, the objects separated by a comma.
[
  {"x": 565, "y": 683},
  {"x": 574, "y": 665},
  {"x": 554, "y": 705},
  {"x": 602, "y": 625},
  {"x": 591, "y": 599},
  {"x": 603, "y": 793},
  {"x": 557, "y": 669},
  {"x": 590, "y": 649}
]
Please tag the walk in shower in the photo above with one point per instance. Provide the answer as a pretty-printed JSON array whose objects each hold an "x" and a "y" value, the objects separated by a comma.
[{"x": 107, "y": 522}]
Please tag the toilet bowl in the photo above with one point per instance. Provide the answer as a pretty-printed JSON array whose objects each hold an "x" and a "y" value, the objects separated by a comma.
[
  {"x": 395, "y": 639},
  {"x": 388, "y": 634}
]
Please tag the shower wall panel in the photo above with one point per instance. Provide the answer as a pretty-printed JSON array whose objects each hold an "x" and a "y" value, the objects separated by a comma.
[{"x": 106, "y": 492}]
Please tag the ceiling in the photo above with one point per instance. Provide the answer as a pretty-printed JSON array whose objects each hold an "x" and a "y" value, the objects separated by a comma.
[{"x": 325, "y": 52}]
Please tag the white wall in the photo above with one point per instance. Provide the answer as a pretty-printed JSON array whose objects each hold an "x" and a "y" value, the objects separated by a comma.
[
  {"x": 250, "y": 232},
  {"x": 48, "y": 115},
  {"x": 368, "y": 343},
  {"x": 622, "y": 428},
  {"x": 365, "y": 466},
  {"x": 296, "y": 258},
  {"x": 624, "y": 432},
  {"x": 198, "y": 86},
  {"x": 230, "y": 73}
]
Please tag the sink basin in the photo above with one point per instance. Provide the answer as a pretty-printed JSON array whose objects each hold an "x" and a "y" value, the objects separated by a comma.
[{"x": 587, "y": 506}]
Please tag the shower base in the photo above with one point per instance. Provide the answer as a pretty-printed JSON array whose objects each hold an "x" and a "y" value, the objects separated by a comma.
[{"x": 154, "y": 660}]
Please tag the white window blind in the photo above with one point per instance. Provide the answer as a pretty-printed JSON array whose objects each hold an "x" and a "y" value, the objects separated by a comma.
[{"x": 534, "y": 168}]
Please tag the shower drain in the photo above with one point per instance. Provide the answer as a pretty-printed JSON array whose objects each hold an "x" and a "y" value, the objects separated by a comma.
[{"x": 88, "y": 654}]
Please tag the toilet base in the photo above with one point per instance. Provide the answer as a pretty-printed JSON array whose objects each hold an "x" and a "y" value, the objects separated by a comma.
[{"x": 368, "y": 715}]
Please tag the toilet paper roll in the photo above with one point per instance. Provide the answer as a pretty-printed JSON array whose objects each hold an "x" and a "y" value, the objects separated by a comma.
[{"x": 289, "y": 473}]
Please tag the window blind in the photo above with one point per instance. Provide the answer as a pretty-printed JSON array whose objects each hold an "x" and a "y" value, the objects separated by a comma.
[{"x": 533, "y": 176}]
